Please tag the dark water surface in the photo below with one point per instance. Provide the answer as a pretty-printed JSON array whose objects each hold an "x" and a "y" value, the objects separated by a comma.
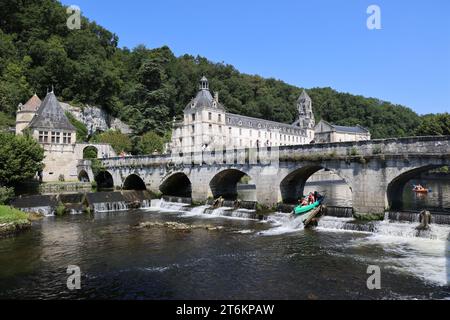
[{"x": 118, "y": 261}]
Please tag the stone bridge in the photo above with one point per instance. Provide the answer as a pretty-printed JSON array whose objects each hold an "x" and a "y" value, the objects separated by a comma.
[{"x": 376, "y": 171}]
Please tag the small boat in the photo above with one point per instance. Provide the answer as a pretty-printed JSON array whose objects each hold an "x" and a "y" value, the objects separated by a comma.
[
  {"x": 421, "y": 190},
  {"x": 308, "y": 213}
]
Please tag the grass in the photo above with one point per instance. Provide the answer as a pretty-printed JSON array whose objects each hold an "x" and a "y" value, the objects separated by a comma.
[{"x": 11, "y": 215}]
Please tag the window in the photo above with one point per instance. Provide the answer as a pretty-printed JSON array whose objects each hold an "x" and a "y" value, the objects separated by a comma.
[
  {"x": 220, "y": 129},
  {"x": 220, "y": 118},
  {"x": 240, "y": 132},
  {"x": 210, "y": 128},
  {"x": 193, "y": 129},
  {"x": 193, "y": 140},
  {"x": 193, "y": 117},
  {"x": 55, "y": 137},
  {"x": 67, "y": 138},
  {"x": 43, "y": 136},
  {"x": 210, "y": 116}
]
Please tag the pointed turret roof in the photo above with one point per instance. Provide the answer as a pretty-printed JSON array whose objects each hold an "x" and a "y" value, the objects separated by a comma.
[
  {"x": 304, "y": 96},
  {"x": 51, "y": 115},
  {"x": 32, "y": 105}
]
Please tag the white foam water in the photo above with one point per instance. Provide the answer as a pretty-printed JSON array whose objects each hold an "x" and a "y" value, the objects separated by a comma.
[{"x": 283, "y": 223}]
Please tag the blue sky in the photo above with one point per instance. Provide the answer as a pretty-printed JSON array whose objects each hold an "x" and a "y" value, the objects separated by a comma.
[{"x": 314, "y": 43}]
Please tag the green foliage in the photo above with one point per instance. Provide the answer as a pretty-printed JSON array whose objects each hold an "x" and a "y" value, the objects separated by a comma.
[
  {"x": 434, "y": 125},
  {"x": 11, "y": 215},
  {"x": 82, "y": 131},
  {"x": 90, "y": 153},
  {"x": 60, "y": 209},
  {"x": 97, "y": 167},
  {"x": 150, "y": 143},
  {"x": 119, "y": 141},
  {"x": 6, "y": 195},
  {"x": 6, "y": 121},
  {"x": 20, "y": 158}
]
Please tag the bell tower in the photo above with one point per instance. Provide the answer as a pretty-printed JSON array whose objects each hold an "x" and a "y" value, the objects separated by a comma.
[{"x": 306, "y": 119}]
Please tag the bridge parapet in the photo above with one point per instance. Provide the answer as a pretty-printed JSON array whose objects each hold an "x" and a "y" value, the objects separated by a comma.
[{"x": 399, "y": 146}]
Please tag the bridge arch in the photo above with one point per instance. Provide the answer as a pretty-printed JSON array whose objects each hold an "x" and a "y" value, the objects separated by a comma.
[
  {"x": 83, "y": 176},
  {"x": 225, "y": 183},
  {"x": 293, "y": 185},
  {"x": 90, "y": 152},
  {"x": 177, "y": 185},
  {"x": 104, "y": 180},
  {"x": 134, "y": 182},
  {"x": 397, "y": 186}
]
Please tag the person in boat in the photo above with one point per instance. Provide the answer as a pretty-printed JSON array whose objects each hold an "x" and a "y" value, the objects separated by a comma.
[
  {"x": 303, "y": 201},
  {"x": 317, "y": 196},
  {"x": 311, "y": 198}
]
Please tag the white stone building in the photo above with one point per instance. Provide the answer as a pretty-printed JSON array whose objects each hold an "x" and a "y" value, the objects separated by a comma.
[
  {"x": 207, "y": 126},
  {"x": 48, "y": 124},
  {"x": 329, "y": 133}
]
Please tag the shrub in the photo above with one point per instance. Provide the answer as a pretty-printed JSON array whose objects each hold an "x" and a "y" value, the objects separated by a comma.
[
  {"x": 60, "y": 209},
  {"x": 6, "y": 195}
]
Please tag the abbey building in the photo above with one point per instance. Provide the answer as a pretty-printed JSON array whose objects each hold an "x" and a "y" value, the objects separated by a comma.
[{"x": 207, "y": 126}]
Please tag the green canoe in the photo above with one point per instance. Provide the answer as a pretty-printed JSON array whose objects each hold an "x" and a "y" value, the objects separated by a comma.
[{"x": 299, "y": 210}]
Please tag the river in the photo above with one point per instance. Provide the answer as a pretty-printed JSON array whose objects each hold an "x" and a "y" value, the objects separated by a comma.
[{"x": 248, "y": 259}]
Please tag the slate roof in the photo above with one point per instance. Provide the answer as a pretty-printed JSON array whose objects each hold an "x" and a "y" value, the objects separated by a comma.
[
  {"x": 357, "y": 129},
  {"x": 32, "y": 105},
  {"x": 51, "y": 116},
  {"x": 204, "y": 99}
]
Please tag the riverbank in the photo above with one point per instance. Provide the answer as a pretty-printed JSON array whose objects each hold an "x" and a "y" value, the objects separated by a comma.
[{"x": 13, "y": 221}]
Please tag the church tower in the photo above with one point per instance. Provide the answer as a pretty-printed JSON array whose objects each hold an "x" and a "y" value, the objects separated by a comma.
[{"x": 306, "y": 115}]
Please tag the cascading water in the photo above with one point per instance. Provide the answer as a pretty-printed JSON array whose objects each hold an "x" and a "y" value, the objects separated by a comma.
[
  {"x": 283, "y": 223},
  {"x": 102, "y": 207},
  {"x": 386, "y": 228},
  {"x": 206, "y": 211}
]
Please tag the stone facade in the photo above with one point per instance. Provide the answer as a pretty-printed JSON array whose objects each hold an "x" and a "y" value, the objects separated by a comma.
[
  {"x": 208, "y": 127},
  {"x": 48, "y": 124},
  {"x": 330, "y": 133}
]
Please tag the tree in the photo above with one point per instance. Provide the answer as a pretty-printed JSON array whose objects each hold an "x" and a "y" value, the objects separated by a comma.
[
  {"x": 20, "y": 159},
  {"x": 82, "y": 131},
  {"x": 434, "y": 125},
  {"x": 119, "y": 141},
  {"x": 150, "y": 142}
]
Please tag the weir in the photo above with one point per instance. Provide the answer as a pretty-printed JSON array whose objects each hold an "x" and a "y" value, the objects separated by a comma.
[{"x": 78, "y": 203}]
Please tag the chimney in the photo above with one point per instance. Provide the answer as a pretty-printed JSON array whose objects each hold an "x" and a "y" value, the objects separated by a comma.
[{"x": 216, "y": 96}]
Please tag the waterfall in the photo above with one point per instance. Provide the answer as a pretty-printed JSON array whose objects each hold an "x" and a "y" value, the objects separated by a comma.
[
  {"x": 385, "y": 228},
  {"x": 110, "y": 206},
  {"x": 172, "y": 206}
]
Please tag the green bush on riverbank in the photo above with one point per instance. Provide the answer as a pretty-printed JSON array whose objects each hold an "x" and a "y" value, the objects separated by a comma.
[{"x": 11, "y": 215}]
